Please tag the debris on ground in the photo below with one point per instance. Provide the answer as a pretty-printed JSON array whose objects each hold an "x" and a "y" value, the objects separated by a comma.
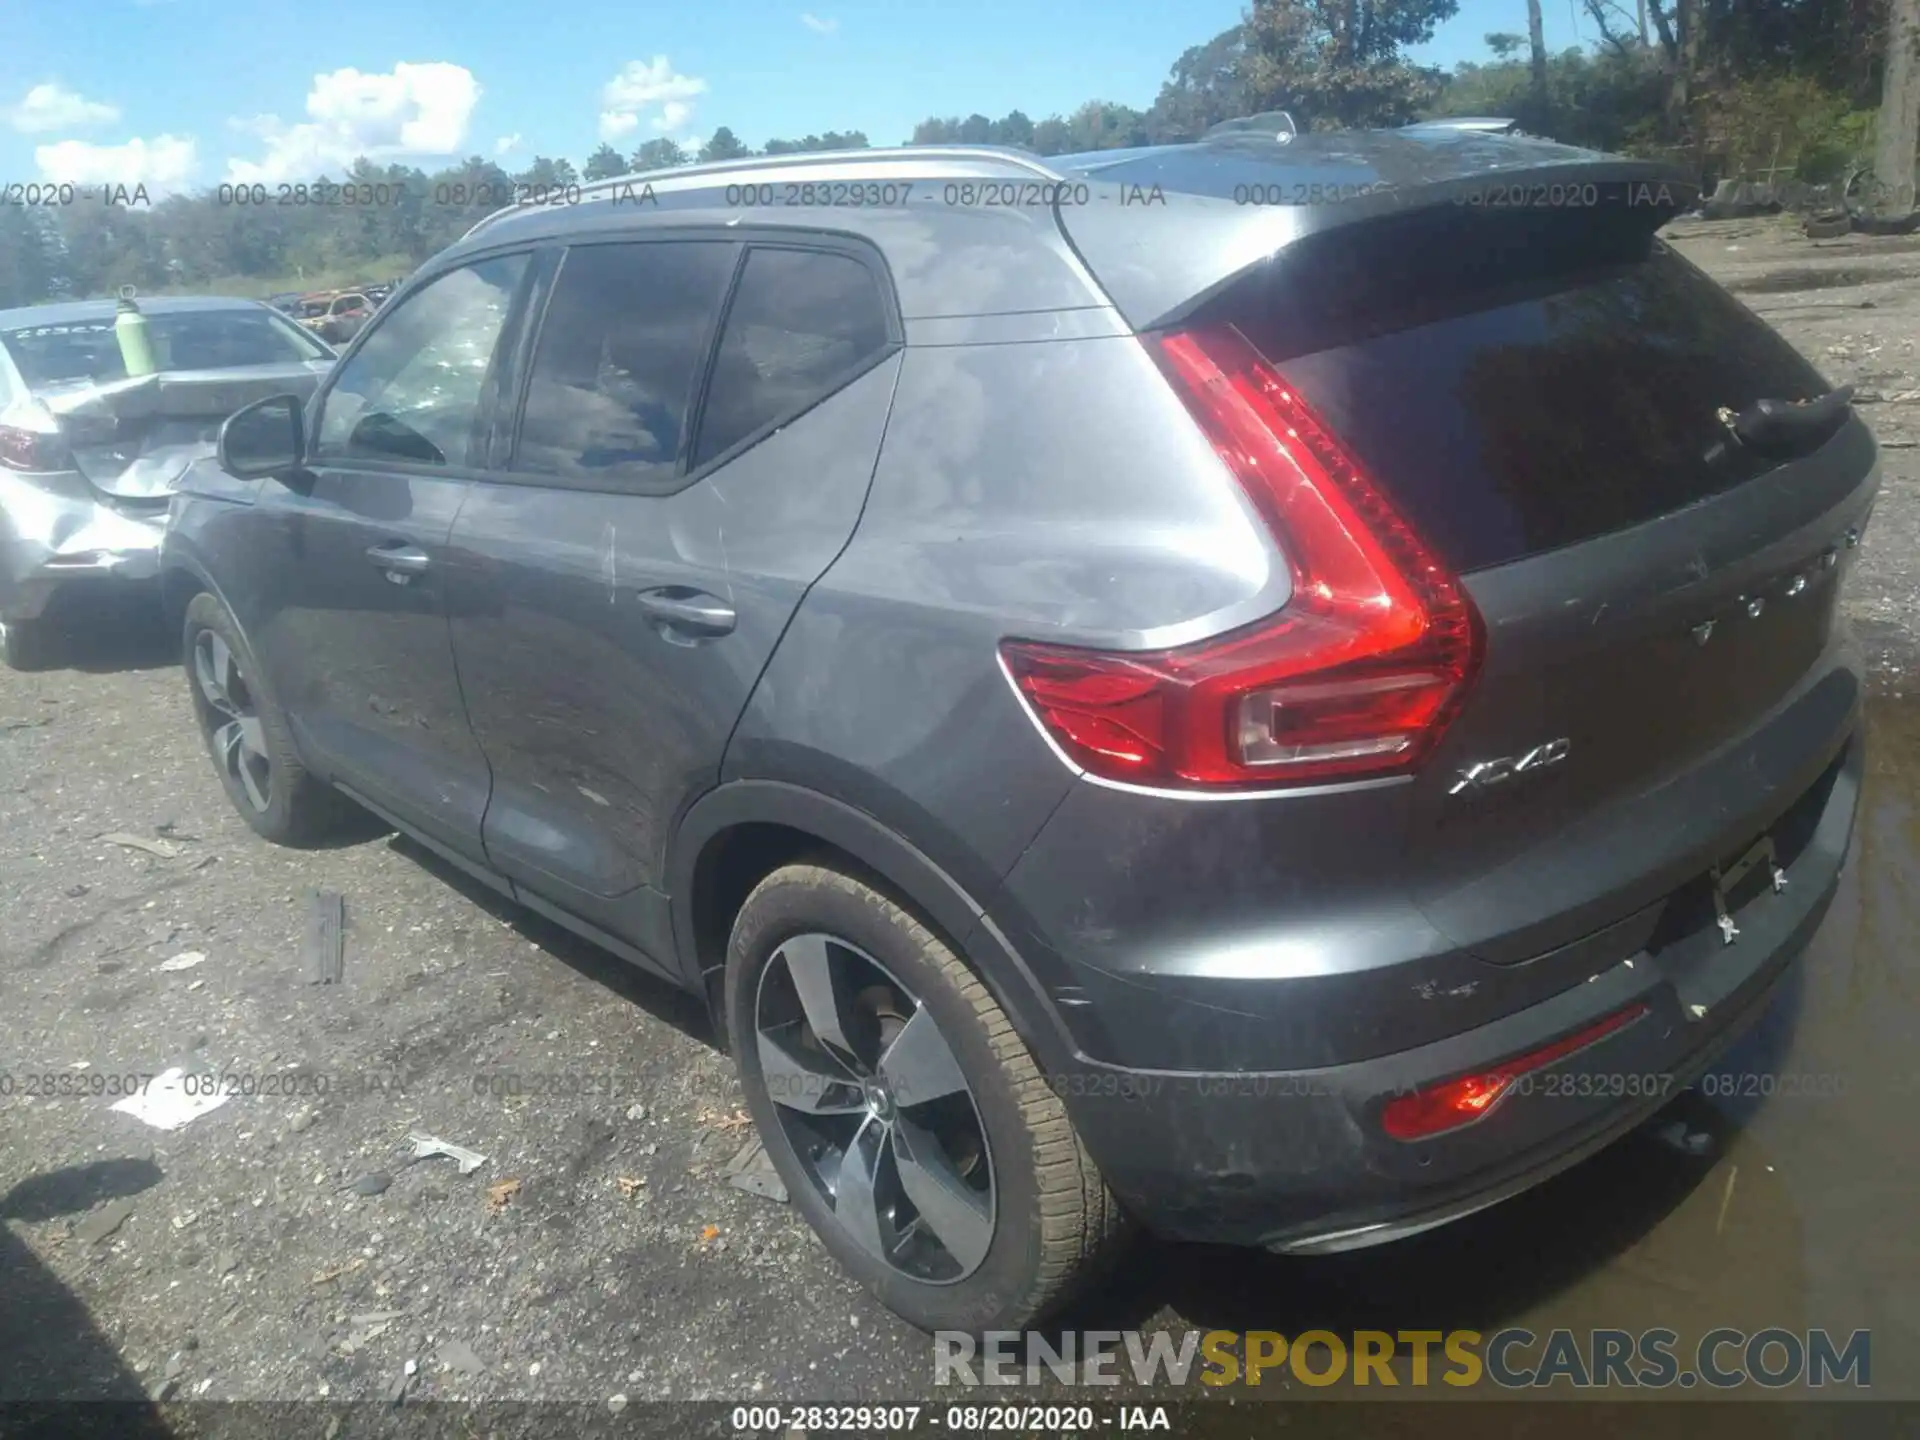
[
  {"x": 752, "y": 1171},
  {"x": 630, "y": 1187},
  {"x": 427, "y": 1146},
  {"x": 185, "y": 960},
  {"x": 459, "y": 1355},
  {"x": 165, "y": 849},
  {"x": 324, "y": 1277},
  {"x": 326, "y": 937},
  {"x": 710, "y": 1234},
  {"x": 714, "y": 1120},
  {"x": 103, "y": 1222},
  {"x": 501, "y": 1194},
  {"x": 167, "y": 1104},
  {"x": 367, "y": 1329}
]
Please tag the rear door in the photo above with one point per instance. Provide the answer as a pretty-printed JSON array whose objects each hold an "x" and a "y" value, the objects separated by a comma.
[
  {"x": 700, "y": 422},
  {"x": 1545, "y": 396}
]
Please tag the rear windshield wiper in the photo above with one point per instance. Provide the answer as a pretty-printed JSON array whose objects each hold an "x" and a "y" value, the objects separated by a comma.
[{"x": 1790, "y": 427}]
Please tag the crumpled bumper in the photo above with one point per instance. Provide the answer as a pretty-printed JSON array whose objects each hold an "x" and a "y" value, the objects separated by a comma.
[{"x": 54, "y": 537}]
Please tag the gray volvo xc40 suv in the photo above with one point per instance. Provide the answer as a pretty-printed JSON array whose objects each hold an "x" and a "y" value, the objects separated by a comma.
[{"x": 1173, "y": 688}]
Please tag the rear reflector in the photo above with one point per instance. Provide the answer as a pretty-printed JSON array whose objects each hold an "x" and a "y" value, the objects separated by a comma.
[
  {"x": 1436, "y": 1109},
  {"x": 1358, "y": 675}
]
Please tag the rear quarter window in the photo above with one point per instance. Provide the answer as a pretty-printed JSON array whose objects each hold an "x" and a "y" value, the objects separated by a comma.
[{"x": 802, "y": 323}]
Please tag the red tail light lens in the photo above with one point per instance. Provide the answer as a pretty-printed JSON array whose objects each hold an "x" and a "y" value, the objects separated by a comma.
[
  {"x": 1437, "y": 1109},
  {"x": 1357, "y": 676},
  {"x": 33, "y": 450}
]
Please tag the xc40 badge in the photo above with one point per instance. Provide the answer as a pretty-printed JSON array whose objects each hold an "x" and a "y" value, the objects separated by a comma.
[{"x": 1485, "y": 774}]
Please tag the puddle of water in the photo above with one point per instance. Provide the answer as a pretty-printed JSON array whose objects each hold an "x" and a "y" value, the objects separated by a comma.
[{"x": 1804, "y": 1215}]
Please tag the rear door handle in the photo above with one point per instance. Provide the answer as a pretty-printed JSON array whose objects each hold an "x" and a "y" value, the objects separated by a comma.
[
  {"x": 400, "y": 560},
  {"x": 690, "y": 612}
]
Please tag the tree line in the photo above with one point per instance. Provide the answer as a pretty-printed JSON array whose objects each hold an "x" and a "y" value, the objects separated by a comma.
[{"x": 1720, "y": 86}]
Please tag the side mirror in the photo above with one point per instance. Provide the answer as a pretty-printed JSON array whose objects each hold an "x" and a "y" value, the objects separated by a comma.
[{"x": 268, "y": 437}]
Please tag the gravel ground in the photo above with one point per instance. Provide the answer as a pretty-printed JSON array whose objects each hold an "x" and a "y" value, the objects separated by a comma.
[{"x": 600, "y": 1250}]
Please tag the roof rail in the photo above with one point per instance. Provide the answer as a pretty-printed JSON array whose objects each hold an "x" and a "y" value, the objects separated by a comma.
[{"x": 700, "y": 176}]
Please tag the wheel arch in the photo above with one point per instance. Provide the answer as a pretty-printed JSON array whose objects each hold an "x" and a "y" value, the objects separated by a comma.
[
  {"x": 738, "y": 834},
  {"x": 182, "y": 576}
]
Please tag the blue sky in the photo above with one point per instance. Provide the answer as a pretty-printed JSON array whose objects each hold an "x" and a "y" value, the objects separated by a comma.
[{"x": 192, "y": 92}]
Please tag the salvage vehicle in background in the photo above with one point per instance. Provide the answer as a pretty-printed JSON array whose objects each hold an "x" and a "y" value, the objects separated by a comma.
[
  {"x": 343, "y": 318},
  {"x": 1284, "y": 723},
  {"x": 102, "y": 408}
]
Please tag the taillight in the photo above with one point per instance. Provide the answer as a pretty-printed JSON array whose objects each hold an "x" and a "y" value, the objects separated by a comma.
[
  {"x": 1357, "y": 676},
  {"x": 1436, "y": 1109},
  {"x": 33, "y": 450}
]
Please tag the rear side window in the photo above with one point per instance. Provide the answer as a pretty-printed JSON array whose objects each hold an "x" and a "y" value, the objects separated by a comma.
[
  {"x": 1521, "y": 383},
  {"x": 801, "y": 325},
  {"x": 621, "y": 350}
]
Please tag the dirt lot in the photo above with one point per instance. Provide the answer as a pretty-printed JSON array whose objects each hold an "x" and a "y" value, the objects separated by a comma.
[{"x": 600, "y": 1250}]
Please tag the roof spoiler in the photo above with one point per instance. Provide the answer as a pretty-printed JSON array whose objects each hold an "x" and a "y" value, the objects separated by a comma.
[{"x": 1160, "y": 263}]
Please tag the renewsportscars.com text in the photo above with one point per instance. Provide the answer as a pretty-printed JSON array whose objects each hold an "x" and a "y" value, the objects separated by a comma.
[{"x": 1512, "y": 1358}]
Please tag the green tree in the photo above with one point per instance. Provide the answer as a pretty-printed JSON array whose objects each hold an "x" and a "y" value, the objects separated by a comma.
[
  {"x": 1052, "y": 137},
  {"x": 550, "y": 174},
  {"x": 831, "y": 140},
  {"x": 25, "y": 272},
  {"x": 604, "y": 164},
  {"x": 1102, "y": 125},
  {"x": 1013, "y": 128},
  {"x": 1208, "y": 85},
  {"x": 724, "y": 145},
  {"x": 1337, "y": 64},
  {"x": 936, "y": 131},
  {"x": 660, "y": 154}
]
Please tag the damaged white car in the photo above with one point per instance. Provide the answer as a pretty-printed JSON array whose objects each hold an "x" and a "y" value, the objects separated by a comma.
[{"x": 103, "y": 407}]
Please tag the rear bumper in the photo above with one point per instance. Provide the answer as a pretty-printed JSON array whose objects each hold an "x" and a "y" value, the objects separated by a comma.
[
  {"x": 50, "y": 539},
  {"x": 1297, "y": 1160}
]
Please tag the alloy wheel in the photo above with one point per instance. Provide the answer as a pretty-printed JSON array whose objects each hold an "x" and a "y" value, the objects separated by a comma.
[
  {"x": 874, "y": 1103},
  {"x": 232, "y": 723}
]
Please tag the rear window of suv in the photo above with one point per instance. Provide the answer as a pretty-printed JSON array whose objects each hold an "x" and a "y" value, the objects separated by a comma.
[{"x": 1519, "y": 382}]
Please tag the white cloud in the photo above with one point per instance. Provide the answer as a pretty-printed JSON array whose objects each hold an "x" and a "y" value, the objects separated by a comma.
[
  {"x": 613, "y": 125},
  {"x": 819, "y": 26},
  {"x": 160, "y": 163},
  {"x": 54, "y": 107},
  {"x": 642, "y": 85},
  {"x": 412, "y": 110},
  {"x": 507, "y": 144}
]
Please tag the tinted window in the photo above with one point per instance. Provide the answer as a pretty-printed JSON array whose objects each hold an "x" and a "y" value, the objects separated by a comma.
[
  {"x": 182, "y": 340},
  {"x": 621, "y": 351},
  {"x": 801, "y": 322},
  {"x": 413, "y": 390},
  {"x": 1524, "y": 384}
]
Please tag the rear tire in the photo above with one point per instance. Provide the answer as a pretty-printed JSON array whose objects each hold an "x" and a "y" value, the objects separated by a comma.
[
  {"x": 1050, "y": 1222},
  {"x": 28, "y": 645},
  {"x": 247, "y": 736}
]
